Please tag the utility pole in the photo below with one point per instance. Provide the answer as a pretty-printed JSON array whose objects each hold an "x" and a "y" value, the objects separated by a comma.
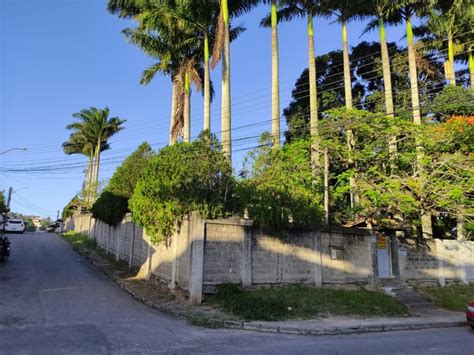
[
  {"x": 10, "y": 191},
  {"x": 57, "y": 216}
]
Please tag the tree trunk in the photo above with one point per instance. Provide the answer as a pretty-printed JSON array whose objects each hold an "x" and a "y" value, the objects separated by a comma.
[
  {"x": 326, "y": 186},
  {"x": 225, "y": 106},
  {"x": 96, "y": 173},
  {"x": 451, "y": 71},
  {"x": 313, "y": 101},
  {"x": 348, "y": 100},
  {"x": 173, "y": 110},
  {"x": 460, "y": 228},
  {"x": 471, "y": 68},
  {"x": 387, "y": 81},
  {"x": 275, "y": 78},
  {"x": 87, "y": 181},
  {"x": 347, "y": 67},
  {"x": 186, "y": 110},
  {"x": 207, "y": 85},
  {"x": 415, "y": 100},
  {"x": 426, "y": 225}
]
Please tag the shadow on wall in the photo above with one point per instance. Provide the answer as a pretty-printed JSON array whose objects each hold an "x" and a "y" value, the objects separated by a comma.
[{"x": 206, "y": 253}]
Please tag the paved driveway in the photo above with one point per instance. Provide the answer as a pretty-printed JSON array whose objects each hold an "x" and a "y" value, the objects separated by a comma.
[{"x": 52, "y": 301}]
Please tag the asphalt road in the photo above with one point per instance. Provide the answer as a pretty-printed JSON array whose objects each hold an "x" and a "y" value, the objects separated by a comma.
[{"x": 53, "y": 302}]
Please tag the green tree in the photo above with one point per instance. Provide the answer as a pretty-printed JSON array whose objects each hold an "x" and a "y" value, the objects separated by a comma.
[
  {"x": 3, "y": 206},
  {"x": 453, "y": 101},
  {"x": 180, "y": 179},
  {"x": 278, "y": 190},
  {"x": 112, "y": 204}
]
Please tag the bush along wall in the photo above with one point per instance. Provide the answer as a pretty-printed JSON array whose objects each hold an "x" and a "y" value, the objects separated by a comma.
[
  {"x": 183, "y": 178},
  {"x": 112, "y": 205}
]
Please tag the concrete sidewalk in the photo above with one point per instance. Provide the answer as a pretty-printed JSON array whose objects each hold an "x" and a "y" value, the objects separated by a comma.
[{"x": 432, "y": 318}]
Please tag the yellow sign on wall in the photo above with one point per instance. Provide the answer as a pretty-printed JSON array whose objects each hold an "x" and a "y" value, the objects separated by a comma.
[{"x": 382, "y": 242}]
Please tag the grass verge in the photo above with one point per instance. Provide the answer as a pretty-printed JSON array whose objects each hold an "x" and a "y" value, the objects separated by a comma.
[
  {"x": 452, "y": 297},
  {"x": 79, "y": 241},
  {"x": 272, "y": 304}
]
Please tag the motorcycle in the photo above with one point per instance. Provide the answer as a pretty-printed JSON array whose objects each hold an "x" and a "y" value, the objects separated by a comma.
[{"x": 4, "y": 248}]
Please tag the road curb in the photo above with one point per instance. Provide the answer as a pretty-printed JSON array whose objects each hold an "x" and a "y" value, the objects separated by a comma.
[
  {"x": 373, "y": 328},
  {"x": 269, "y": 328}
]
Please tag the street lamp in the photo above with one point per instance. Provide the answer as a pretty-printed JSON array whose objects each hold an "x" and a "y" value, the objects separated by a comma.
[{"x": 9, "y": 150}]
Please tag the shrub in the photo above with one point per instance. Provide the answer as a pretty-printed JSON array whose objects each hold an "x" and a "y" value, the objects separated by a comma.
[
  {"x": 71, "y": 206},
  {"x": 453, "y": 101},
  {"x": 112, "y": 204},
  {"x": 110, "y": 208},
  {"x": 123, "y": 181},
  {"x": 280, "y": 191},
  {"x": 182, "y": 178}
]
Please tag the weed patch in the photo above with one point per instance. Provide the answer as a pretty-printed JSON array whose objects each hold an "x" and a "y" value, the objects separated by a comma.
[
  {"x": 292, "y": 302},
  {"x": 79, "y": 241},
  {"x": 452, "y": 297}
]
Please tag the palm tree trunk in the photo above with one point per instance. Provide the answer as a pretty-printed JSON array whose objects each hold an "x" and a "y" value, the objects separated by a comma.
[
  {"x": 85, "y": 186},
  {"x": 207, "y": 85},
  {"x": 173, "y": 109},
  {"x": 96, "y": 172},
  {"x": 387, "y": 81},
  {"x": 186, "y": 109},
  {"x": 426, "y": 224},
  {"x": 313, "y": 101},
  {"x": 471, "y": 68},
  {"x": 275, "y": 78},
  {"x": 225, "y": 105},
  {"x": 348, "y": 101},
  {"x": 451, "y": 72},
  {"x": 415, "y": 98},
  {"x": 347, "y": 67}
]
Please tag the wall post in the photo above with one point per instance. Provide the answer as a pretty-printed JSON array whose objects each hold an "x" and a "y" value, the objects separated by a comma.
[
  {"x": 197, "y": 231},
  {"x": 174, "y": 264},
  {"x": 132, "y": 245},
  {"x": 318, "y": 266},
  {"x": 439, "y": 255},
  {"x": 246, "y": 273}
]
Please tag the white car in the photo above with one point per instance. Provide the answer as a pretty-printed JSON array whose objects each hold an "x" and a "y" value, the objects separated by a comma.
[{"x": 15, "y": 225}]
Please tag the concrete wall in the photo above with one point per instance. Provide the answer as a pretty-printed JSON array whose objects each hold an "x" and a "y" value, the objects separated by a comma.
[
  {"x": 439, "y": 261},
  {"x": 206, "y": 253}
]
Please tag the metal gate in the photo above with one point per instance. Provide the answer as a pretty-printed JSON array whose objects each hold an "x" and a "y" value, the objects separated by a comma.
[{"x": 384, "y": 260}]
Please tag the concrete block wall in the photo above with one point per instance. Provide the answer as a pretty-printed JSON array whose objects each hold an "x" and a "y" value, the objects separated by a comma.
[
  {"x": 419, "y": 262},
  {"x": 206, "y": 253}
]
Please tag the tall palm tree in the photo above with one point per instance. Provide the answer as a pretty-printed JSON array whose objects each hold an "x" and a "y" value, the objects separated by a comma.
[
  {"x": 379, "y": 10},
  {"x": 344, "y": 11},
  {"x": 287, "y": 11},
  {"x": 78, "y": 144},
  {"x": 96, "y": 128},
  {"x": 159, "y": 36},
  {"x": 228, "y": 10},
  {"x": 403, "y": 11},
  {"x": 444, "y": 28},
  {"x": 272, "y": 21}
]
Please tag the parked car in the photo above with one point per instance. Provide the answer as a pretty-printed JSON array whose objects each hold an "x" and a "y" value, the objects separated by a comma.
[
  {"x": 15, "y": 225},
  {"x": 470, "y": 314}
]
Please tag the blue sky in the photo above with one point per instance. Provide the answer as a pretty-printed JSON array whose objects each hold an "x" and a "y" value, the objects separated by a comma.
[{"x": 59, "y": 56}]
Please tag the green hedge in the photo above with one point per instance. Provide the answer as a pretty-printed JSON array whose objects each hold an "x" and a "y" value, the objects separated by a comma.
[{"x": 182, "y": 178}]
